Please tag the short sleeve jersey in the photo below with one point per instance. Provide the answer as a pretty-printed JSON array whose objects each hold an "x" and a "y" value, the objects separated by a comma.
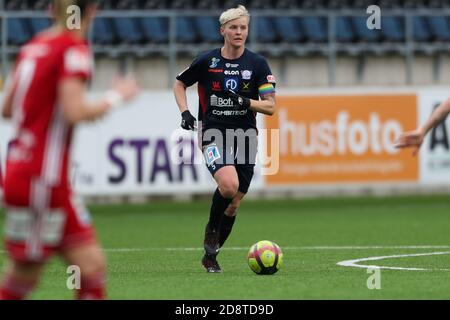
[
  {"x": 249, "y": 75},
  {"x": 40, "y": 147}
]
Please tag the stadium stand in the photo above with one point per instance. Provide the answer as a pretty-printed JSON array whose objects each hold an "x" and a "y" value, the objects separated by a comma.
[
  {"x": 270, "y": 29},
  {"x": 280, "y": 29}
]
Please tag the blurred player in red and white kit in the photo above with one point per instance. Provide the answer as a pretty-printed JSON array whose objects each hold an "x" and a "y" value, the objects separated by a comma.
[
  {"x": 1, "y": 181},
  {"x": 46, "y": 99}
]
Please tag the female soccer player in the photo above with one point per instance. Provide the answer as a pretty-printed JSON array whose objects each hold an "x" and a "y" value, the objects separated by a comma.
[
  {"x": 230, "y": 81},
  {"x": 46, "y": 99}
]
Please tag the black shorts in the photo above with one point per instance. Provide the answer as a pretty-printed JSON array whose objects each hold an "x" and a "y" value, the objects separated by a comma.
[{"x": 228, "y": 147}]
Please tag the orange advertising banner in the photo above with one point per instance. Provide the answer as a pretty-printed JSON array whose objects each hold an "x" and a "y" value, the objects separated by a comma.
[{"x": 343, "y": 138}]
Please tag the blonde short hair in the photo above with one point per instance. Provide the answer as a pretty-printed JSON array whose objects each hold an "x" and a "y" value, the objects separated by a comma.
[{"x": 233, "y": 13}]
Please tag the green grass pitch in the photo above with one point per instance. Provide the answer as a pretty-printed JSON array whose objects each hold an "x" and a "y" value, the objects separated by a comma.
[{"x": 154, "y": 250}]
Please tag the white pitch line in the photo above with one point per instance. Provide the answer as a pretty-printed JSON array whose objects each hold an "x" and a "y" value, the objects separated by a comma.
[
  {"x": 369, "y": 247},
  {"x": 284, "y": 248},
  {"x": 346, "y": 263},
  {"x": 354, "y": 262}
]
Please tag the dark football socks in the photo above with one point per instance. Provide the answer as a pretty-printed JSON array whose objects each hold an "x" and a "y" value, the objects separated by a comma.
[
  {"x": 226, "y": 224},
  {"x": 218, "y": 207}
]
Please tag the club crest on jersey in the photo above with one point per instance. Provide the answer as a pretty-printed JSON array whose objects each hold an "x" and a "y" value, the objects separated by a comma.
[
  {"x": 216, "y": 86},
  {"x": 211, "y": 154},
  {"x": 245, "y": 87},
  {"x": 214, "y": 62},
  {"x": 271, "y": 78},
  {"x": 77, "y": 59},
  {"x": 232, "y": 65},
  {"x": 246, "y": 74},
  {"x": 231, "y": 83}
]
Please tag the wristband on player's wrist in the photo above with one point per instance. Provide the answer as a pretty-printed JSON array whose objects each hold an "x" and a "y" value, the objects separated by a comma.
[{"x": 113, "y": 98}]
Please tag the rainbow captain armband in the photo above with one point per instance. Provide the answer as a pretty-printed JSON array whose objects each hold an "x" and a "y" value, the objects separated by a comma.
[{"x": 266, "y": 88}]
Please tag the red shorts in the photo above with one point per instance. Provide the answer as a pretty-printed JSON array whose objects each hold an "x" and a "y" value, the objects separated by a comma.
[{"x": 41, "y": 221}]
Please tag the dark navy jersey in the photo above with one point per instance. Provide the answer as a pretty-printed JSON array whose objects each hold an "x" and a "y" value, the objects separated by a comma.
[{"x": 249, "y": 75}]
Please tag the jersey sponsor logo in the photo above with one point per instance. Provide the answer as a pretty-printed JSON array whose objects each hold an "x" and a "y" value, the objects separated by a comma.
[
  {"x": 216, "y": 86},
  {"x": 232, "y": 65},
  {"x": 19, "y": 222},
  {"x": 77, "y": 59},
  {"x": 246, "y": 87},
  {"x": 21, "y": 151},
  {"x": 231, "y": 72},
  {"x": 215, "y": 70},
  {"x": 271, "y": 78},
  {"x": 229, "y": 112},
  {"x": 246, "y": 74},
  {"x": 216, "y": 101},
  {"x": 211, "y": 154},
  {"x": 214, "y": 62},
  {"x": 231, "y": 83}
]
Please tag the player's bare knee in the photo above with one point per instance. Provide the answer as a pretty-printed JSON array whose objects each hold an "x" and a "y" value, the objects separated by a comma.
[
  {"x": 30, "y": 270},
  {"x": 91, "y": 260},
  {"x": 229, "y": 192},
  {"x": 96, "y": 265},
  {"x": 229, "y": 189}
]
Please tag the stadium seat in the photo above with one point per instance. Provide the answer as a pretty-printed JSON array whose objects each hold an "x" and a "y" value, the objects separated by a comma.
[
  {"x": 208, "y": 29},
  {"x": 365, "y": 34},
  {"x": 361, "y": 4},
  {"x": 260, "y": 4},
  {"x": 285, "y": 4},
  {"x": 121, "y": 4},
  {"x": 437, "y": 4},
  {"x": 393, "y": 29},
  {"x": 16, "y": 5},
  {"x": 127, "y": 30},
  {"x": 102, "y": 32},
  {"x": 154, "y": 4},
  {"x": 186, "y": 33},
  {"x": 39, "y": 24},
  {"x": 265, "y": 31},
  {"x": 344, "y": 30},
  {"x": 312, "y": 4},
  {"x": 208, "y": 4},
  {"x": 233, "y": 3},
  {"x": 182, "y": 4},
  {"x": 105, "y": 5},
  {"x": 288, "y": 29},
  {"x": 155, "y": 29},
  {"x": 18, "y": 32},
  {"x": 40, "y": 4},
  {"x": 390, "y": 4},
  {"x": 412, "y": 4},
  {"x": 439, "y": 28},
  {"x": 421, "y": 31},
  {"x": 127, "y": 5},
  {"x": 315, "y": 28},
  {"x": 338, "y": 4}
]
